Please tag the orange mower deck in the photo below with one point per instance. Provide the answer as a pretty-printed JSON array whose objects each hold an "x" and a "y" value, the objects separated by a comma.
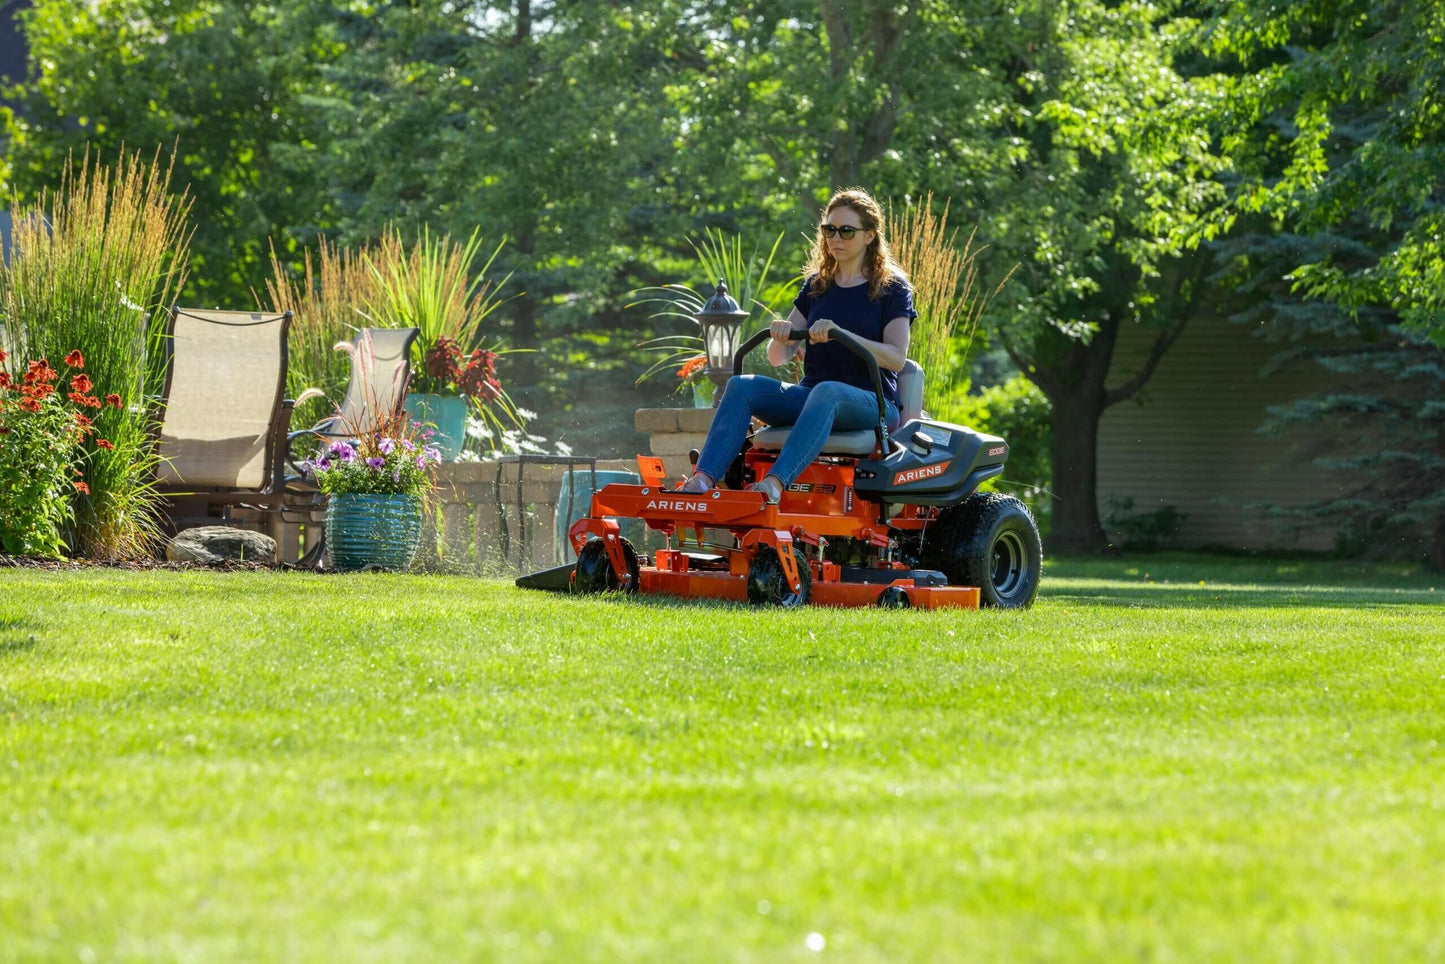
[{"x": 719, "y": 572}]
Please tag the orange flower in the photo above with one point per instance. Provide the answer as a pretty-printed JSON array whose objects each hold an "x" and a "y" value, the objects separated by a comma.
[
  {"x": 30, "y": 404},
  {"x": 3, "y": 358},
  {"x": 102, "y": 443},
  {"x": 81, "y": 383},
  {"x": 692, "y": 366},
  {"x": 82, "y": 488},
  {"x": 75, "y": 360},
  {"x": 4, "y": 377},
  {"x": 113, "y": 400}
]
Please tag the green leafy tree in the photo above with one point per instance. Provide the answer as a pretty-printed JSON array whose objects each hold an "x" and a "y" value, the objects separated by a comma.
[
  {"x": 229, "y": 84},
  {"x": 1110, "y": 174},
  {"x": 1337, "y": 116}
]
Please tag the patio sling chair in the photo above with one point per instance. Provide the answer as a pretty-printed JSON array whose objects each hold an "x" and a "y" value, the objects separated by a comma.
[
  {"x": 380, "y": 371},
  {"x": 223, "y": 414}
]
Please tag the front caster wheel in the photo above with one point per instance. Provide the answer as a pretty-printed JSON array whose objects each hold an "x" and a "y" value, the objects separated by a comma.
[
  {"x": 894, "y": 597},
  {"x": 594, "y": 572},
  {"x": 767, "y": 586}
]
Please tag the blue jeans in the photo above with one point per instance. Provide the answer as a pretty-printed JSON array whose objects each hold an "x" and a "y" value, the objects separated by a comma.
[{"x": 813, "y": 412}]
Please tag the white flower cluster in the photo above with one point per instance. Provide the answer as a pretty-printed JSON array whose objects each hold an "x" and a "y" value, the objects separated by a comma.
[{"x": 485, "y": 442}]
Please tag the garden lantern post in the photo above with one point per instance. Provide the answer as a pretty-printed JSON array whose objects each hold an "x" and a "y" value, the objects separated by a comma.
[{"x": 720, "y": 320}]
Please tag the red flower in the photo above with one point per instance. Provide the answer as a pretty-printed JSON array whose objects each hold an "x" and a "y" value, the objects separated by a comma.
[
  {"x": 30, "y": 404},
  {"x": 83, "y": 422},
  {"x": 102, "y": 443},
  {"x": 4, "y": 377},
  {"x": 76, "y": 360},
  {"x": 113, "y": 400},
  {"x": 3, "y": 358},
  {"x": 81, "y": 383},
  {"x": 82, "y": 488}
]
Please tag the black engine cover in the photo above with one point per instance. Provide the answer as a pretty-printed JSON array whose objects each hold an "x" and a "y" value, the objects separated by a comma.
[{"x": 932, "y": 463}]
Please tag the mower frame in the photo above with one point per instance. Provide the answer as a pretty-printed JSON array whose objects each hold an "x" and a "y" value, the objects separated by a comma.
[{"x": 822, "y": 504}]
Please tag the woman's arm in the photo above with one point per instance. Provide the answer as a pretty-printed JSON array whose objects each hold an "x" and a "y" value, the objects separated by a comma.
[
  {"x": 890, "y": 353},
  {"x": 781, "y": 351}
]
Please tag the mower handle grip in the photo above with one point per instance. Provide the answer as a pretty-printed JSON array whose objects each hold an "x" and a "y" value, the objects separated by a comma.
[{"x": 847, "y": 340}]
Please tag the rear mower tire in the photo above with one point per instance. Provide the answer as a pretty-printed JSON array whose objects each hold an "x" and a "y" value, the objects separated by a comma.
[
  {"x": 990, "y": 541},
  {"x": 594, "y": 571},
  {"x": 768, "y": 587}
]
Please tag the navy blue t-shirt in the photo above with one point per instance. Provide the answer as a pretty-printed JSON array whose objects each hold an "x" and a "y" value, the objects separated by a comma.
[{"x": 852, "y": 310}]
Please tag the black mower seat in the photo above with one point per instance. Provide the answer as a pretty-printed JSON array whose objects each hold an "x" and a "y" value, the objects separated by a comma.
[{"x": 862, "y": 442}]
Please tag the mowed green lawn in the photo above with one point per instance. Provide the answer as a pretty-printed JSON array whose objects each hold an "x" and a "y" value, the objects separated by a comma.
[{"x": 1169, "y": 758}]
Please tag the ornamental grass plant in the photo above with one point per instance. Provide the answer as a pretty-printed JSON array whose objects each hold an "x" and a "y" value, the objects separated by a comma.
[
  {"x": 943, "y": 276},
  {"x": 720, "y": 257},
  {"x": 436, "y": 286},
  {"x": 93, "y": 266},
  {"x": 326, "y": 303}
]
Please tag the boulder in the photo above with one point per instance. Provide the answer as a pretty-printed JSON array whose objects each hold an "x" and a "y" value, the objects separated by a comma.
[{"x": 212, "y": 544}]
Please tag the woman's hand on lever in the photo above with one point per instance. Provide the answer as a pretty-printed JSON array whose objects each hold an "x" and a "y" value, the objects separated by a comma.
[
  {"x": 818, "y": 333},
  {"x": 780, "y": 329}
]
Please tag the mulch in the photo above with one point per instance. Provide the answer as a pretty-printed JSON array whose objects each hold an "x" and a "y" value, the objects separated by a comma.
[{"x": 143, "y": 565}]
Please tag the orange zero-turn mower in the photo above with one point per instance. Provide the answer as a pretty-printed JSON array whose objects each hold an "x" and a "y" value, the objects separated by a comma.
[{"x": 880, "y": 518}]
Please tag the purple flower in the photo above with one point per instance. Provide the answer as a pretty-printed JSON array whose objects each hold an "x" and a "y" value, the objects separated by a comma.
[
  {"x": 432, "y": 453},
  {"x": 428, "y": 433},
  {"x": 421, "y": 461},
  {"x": 343, "y": 451},
  {"x": 386, "y": 446},
  {"x": 376, "y": 462},
  {"x": 407, "y": 444},
  {"x": 396, "y": 476},
  {"x": 321, "y": 464}
]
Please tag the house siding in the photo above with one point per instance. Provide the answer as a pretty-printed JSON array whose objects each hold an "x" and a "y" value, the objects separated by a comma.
[{"x": 1191, "y": 440}]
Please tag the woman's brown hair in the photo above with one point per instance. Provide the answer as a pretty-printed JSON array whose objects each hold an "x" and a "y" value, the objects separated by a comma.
[{"x": 879, "y": 267}]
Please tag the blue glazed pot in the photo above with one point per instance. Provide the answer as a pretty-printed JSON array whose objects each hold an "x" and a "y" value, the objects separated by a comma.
[
  {"x": 372, "y": 530},
  {"x": 447, "y": 415}
]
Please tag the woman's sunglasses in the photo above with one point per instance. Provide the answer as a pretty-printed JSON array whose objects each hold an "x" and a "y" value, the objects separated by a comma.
[{"x": 832, "y": 231}]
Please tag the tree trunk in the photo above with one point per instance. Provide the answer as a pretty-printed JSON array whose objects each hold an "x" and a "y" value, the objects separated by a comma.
[{"x": 1075, "y": 528}]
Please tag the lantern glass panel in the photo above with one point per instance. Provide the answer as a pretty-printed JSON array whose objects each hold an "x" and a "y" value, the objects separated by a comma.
[{"x": 719, "y": 340}]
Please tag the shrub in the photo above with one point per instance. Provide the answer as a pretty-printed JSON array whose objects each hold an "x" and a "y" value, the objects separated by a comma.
[
  {"x": 1140, "y": 530},
  {"x": 1017, "y": 412},
  {"x": 46, "y": 416}
]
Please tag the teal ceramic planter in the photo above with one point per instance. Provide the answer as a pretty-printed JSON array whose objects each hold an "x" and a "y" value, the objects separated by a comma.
[
  {"x": 447, "y": 415},
  {"x": 372, "y": 530}
]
